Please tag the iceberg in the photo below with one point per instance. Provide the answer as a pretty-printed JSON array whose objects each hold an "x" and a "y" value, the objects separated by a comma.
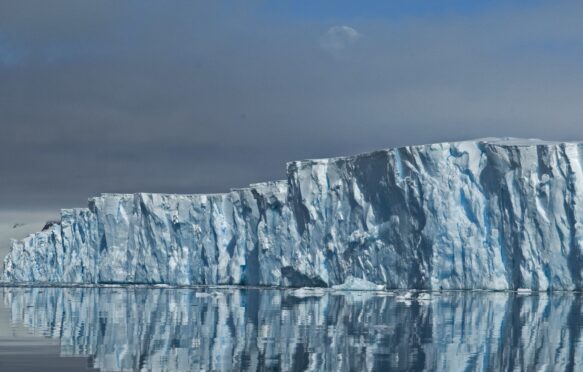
[
  {"x": 497, "y": 214},
  {"x": 357, "y": 284}
]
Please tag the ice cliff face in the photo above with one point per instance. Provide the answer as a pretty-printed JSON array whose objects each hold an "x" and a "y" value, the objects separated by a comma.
[{"x": 492, "y": 214}]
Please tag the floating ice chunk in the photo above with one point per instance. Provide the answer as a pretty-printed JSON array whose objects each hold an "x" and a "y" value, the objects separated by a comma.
[
  {"x": 357, "y": 284},
  {"x": 308, "y": 292},
  {"x": 405, "y": 296},
  {"x": 424, "y": 296}
]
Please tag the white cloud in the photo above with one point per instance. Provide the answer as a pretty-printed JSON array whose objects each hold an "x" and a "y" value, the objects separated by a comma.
[{"x": 338, "y": 38}]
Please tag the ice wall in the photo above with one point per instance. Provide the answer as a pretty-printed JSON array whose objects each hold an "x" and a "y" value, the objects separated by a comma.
[{"x": 491, "y": 214}]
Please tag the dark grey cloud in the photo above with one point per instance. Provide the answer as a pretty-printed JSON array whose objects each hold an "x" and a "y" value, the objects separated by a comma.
[{"x": 191, "y": 97}]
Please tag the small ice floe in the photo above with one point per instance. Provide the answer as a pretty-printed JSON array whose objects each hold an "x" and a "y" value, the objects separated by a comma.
[
  {"x": 217, "y": 294},
  {"x": 424, "y": 296},
  {"x": 308, "y": 292},
  {"x": 386, "y": 293},
  {"x": 524, "y": 291},
  {"x": 107, "y": 285},
  {"x": 407, "y": 296},
  {"x": 357, "y": 284}
]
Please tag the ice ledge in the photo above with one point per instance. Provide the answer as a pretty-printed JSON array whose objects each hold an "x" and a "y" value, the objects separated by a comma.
[{"x": 497, "y": 141}]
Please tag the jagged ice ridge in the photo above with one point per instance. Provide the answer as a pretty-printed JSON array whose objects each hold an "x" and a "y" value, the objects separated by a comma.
[{"x": 484, "y": 214}]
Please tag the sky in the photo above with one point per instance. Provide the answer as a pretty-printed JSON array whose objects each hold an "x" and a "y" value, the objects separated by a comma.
[{"x": 202, "y": 96}]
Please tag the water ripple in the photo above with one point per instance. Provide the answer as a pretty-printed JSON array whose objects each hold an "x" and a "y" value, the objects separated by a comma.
[{"x": 268, "y": 329}]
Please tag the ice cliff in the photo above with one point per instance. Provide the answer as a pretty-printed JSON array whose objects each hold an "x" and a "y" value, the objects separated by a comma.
[{"x": 490, "y": 213}]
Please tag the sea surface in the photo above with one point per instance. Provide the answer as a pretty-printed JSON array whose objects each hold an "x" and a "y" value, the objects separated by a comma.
[{"x": 225, "y": 329}]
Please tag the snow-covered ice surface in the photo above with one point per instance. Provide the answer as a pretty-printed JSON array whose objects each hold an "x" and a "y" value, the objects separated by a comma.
[
  {"x": 129, "y": 329},
  {"x": 484, "y": 214}
]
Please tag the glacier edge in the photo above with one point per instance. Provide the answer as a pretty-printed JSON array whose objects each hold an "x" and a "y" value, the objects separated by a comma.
[{"x": 485, "y": 214}]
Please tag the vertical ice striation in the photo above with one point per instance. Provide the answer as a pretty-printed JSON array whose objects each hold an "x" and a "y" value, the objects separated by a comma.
[{"x": 491, "y": 214}]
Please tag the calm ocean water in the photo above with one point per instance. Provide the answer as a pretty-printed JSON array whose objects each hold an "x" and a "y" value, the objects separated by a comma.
[{"x": 212, "y": 329}]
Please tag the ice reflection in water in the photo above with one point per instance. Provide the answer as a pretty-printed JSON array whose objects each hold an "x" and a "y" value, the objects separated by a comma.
[{"x": 221, "y": 329}]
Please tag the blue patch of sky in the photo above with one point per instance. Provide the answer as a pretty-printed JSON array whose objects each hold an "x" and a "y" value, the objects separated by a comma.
[
  {"x": 378, "y": 9},
  {"x": 10, "y": 55},
  {"x": 563, "y": 48},
  {"x": 566, "y": 45},
  {"x": 56, "y": 52}
]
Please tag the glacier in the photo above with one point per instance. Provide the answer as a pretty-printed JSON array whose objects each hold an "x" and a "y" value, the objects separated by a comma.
[{"x": 498, "y": 214}]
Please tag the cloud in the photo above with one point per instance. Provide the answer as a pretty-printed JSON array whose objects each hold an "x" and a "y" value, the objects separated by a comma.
[
  {"x": 198, "y": 97},
  {"x": 10, "y": 56},
  {"x": 338, "y": 38}
]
